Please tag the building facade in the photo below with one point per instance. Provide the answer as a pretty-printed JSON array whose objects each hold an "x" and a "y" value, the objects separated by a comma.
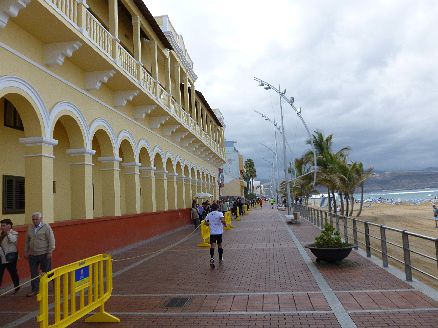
[
  {"x": 99, "y": 112},
  {"x": 233, "y": 170}
]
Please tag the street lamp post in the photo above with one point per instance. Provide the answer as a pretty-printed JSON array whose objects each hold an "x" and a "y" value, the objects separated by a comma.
[
  {"x": 290, "y": 101},
  {"x": 275, "y": 170}
]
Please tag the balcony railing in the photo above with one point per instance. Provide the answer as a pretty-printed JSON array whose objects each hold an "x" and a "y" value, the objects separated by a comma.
[
  {"x": 99, "y": 35},
  {"x": 102, "y": 38}
]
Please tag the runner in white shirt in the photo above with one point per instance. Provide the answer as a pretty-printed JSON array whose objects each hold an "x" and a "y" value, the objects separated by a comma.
[{"x": 215, "y": 219}]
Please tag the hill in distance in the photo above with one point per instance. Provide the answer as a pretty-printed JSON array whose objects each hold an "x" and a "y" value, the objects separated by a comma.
[{"x": 402, "y": 180}]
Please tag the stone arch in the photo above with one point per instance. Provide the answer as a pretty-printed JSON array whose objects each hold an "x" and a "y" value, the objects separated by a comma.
[
  {"x": 187, "y": 186},
  {"x": 147, "y": 178},
  {"x": 101, "y": 124},
  {"x": 66, "y": 109},
  {"x": 28, "y": 103},
  {"x": 143, "y": 145},
  {"x": 180, "y": 187},
  {"x": 26, "y": 125},
  {"x": 71, "y": 177},
  {"x": 105, "y": 181},
  {"x": 129, "y": 177},
  {"x": 171, "y": 183},
  {"x": 160, "y": 181}
]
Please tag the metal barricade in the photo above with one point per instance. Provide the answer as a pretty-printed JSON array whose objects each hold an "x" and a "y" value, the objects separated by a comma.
[{"x": 78, "y": 289}]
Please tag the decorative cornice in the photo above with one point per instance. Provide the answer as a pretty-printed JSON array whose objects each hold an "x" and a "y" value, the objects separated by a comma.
[
  {"x": 156, "y": 122},
  {"x": 121, "y": 98},
  {"x": 55, "y": 53},
  {"x": 141, "y": 111},
  {"x": 94, "y": 80},
  {"x": 10, "y": 8}
]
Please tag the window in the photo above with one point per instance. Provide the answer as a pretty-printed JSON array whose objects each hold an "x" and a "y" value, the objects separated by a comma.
[
  {"x": 13, "y": 194},
  {"x": 12, "y": 119}
]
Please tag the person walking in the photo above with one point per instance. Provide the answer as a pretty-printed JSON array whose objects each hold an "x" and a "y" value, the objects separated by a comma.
[
  {"x": 435, "y": 215},
  {"x": 195, "y": 214},
  {"x": 9, "y": 253},
  {"x": 38, "y": 248},
  {"x": 216, "y": 221}
]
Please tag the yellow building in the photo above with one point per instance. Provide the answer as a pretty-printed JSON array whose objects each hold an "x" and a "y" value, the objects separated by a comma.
[{"x": 100, "y": 114}]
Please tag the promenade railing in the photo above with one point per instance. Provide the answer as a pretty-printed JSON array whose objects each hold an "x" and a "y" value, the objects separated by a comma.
[{"x": 413, "y": 252}]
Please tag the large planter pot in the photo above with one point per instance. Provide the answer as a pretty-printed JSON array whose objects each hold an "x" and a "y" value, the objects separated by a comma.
[{"x": 330, "y": 254}]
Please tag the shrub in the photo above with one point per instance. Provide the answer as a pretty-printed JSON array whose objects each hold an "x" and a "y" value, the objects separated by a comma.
[{"x": 329, "y": 238}]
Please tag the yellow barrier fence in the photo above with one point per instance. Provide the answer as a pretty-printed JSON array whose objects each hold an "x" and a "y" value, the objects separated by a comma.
[
  {"x": 229, "y": 226},
  {"x": 238, "y": 214},
  {"x": 205, "y": 235},
  {"x": 78, "y": 289}
]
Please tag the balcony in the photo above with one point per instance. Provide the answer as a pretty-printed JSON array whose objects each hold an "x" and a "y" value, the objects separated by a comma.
[{"x": 81, "y": 22}]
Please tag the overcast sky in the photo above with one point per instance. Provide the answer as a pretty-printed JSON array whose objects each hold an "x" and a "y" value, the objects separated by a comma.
[{"x": 364, "y": 71}]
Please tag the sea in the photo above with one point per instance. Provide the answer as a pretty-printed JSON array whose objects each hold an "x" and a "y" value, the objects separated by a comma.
[
  {"x": 412, "y": 196},
  {"x": 398, "y": 196}
]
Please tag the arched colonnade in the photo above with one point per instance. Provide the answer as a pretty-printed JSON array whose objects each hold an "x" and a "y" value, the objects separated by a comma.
[{"x": 75, "y": 169}]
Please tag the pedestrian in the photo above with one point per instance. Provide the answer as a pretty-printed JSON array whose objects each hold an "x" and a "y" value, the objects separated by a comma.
[
  {"x": 195, "y": 214},
  {"x": 435, "y": 215},
  {"x": 38, "y": 248},
  {"x": 216, "y": 221},
  {"x": 9, "y": 253}
]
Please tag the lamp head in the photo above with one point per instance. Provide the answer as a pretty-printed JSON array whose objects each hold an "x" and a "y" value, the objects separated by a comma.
[
  {"x": 291, "y": 100},
  {"x": 267, "y": 87},
  {"x": 261, "y": 84}
]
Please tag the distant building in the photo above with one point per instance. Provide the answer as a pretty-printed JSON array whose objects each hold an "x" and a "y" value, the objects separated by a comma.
[{"x": 233, "y": 170}]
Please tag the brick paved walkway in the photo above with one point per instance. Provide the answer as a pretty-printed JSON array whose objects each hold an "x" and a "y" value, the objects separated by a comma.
[{"x": 267, "y": 280}]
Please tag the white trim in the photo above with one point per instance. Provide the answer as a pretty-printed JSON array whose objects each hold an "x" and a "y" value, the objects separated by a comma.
[
  {"x": 109, "y": 159},
  {"x": 148, "y": 169},
  {"x": 131, "y": 164},
  {"x": 80, "y": 151},
  {"x": 40, "y": 155},
  {"x": 38, "y": 141},
  {"x": 110, "y": 169},
  {"x": 82, "y": 163}
]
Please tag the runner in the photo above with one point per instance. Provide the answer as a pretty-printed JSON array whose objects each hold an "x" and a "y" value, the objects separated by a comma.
[{"x": 215, "y": 219}]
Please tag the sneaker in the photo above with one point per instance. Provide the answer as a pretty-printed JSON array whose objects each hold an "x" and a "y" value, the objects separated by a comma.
[
  {"x": 212, "y": 263},
  {"x": 221, "y": 260}
]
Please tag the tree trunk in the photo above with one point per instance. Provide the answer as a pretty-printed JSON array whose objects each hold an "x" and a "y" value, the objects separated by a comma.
[
  {"x": 361, "y": 200},
  {"x": 335, "y": 210},
  {"x": 352, "y": 205},
  {"x": 329, "y": 200},
  {"x": 341, "y": 196},
  {"x": 347, "y": 204}
]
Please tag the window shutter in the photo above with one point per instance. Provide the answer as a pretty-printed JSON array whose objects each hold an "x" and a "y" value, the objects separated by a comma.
[
  {"x": 8, "y": 193},
  {"x": 19, "y": 193}
]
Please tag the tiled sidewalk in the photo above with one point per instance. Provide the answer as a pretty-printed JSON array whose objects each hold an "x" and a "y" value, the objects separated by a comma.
[{"x": 267, "y": 280}]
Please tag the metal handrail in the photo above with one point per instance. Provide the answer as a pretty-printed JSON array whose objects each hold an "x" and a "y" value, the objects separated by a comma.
[{"x": 317, "y": 216}]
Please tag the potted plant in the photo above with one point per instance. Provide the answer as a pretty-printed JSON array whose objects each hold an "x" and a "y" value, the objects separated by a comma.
[{"x": 328, "y": 245}]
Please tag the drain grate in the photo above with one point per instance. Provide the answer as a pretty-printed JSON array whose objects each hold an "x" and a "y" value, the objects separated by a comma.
[{"x": 177, "y": 302}]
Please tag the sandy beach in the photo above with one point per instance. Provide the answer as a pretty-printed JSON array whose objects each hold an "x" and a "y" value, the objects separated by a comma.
[{"x": 414, "y": 218}]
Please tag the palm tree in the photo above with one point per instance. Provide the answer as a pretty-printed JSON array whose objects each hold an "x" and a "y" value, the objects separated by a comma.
[
  {"x": 362, "y": 176},
  {"x": 250, "y": 174},
  {"x": 326, "y": 162}
]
